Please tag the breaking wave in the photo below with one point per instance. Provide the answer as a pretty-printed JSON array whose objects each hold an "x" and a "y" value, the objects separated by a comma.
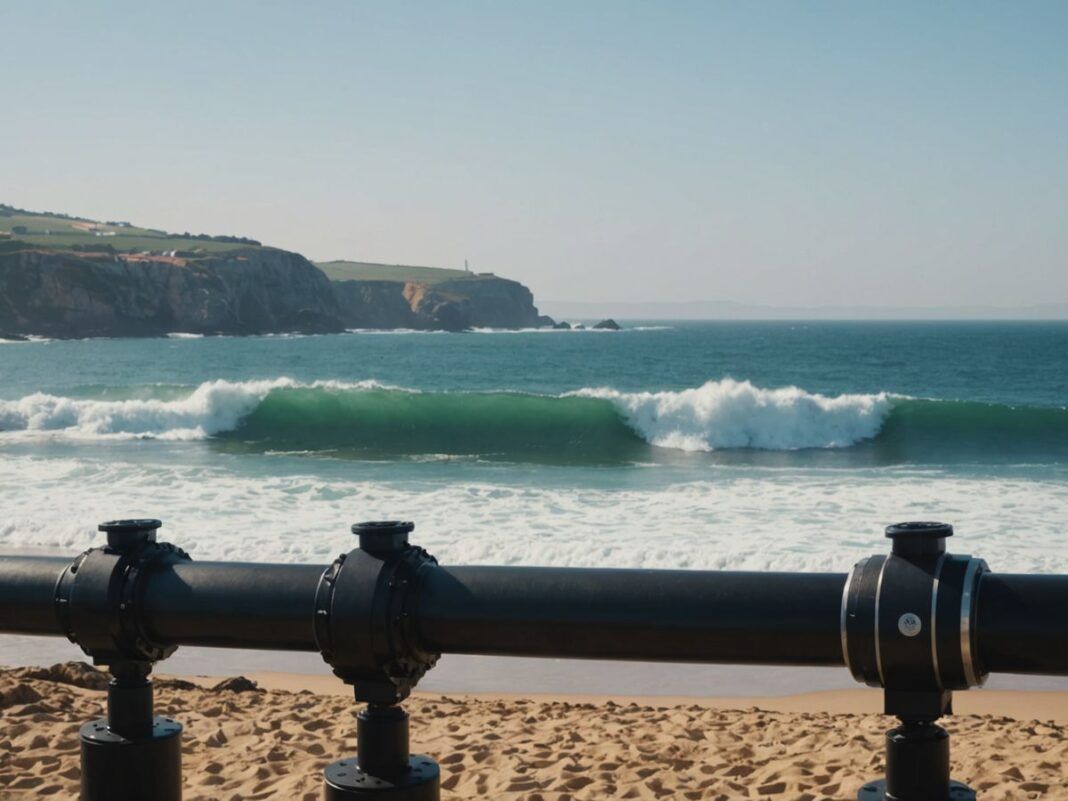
[{"x": 590, "y": 424}]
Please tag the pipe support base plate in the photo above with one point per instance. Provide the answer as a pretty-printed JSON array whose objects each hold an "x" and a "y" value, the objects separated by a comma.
[
  {"x": 344, "y": 780},
  {"x": 876, "y": 791}
]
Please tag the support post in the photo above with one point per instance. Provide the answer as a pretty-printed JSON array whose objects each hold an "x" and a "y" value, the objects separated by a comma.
[
  {"x": 383, "y": 767},
  {"x": 917, "y": 767},
  {"x": 905, "y": 600},
  {"x": 131, "y": 755},
  {"x": 371, "y": 589}
]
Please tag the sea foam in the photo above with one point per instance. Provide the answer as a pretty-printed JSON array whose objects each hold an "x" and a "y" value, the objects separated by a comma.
[
  {"x": 737, "y": 414},
  {"x": 737, "y": 519}
]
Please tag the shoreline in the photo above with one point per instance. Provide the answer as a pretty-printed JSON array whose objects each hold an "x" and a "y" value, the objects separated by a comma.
[
  {"x": 1022, "y": 705},
  {"x": 457, "y": 674},
  {"x": 848, "y": 698}
]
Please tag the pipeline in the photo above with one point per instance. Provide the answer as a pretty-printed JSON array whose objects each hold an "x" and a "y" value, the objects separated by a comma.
[
  {"x": 919, "y": 623},
  {"x": 650, "y": 615}
]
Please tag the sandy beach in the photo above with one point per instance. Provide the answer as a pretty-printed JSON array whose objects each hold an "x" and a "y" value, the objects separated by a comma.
[{"x": 272, "y": 742}]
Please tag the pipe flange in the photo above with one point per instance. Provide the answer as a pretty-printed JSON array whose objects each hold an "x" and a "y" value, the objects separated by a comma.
[
  {"x": 324, "y": 594},
  {"x": 98, "y": 596},
  {"x": 140, "y": 563},
  {"x": 908, "y": 618},
  {"x": 364, "y": 623},
  {"x": 64, "y": 588}
]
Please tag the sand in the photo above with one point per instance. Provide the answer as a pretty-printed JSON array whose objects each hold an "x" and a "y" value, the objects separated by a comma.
[{"x": 272, "y": 744}]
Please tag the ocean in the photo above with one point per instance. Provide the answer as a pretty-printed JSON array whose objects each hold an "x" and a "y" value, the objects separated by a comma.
[{"x": 720, "y": 445}]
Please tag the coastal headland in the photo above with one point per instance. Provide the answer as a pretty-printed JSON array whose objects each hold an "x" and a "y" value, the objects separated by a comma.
[{"x": 69, "y": 277}]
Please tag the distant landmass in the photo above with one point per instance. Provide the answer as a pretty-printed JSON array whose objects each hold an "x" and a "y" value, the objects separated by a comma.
[
  {"x": 727, "y": 310},
  {"x": 67, "y": 277},
  {"x": 402, "y": 296}
]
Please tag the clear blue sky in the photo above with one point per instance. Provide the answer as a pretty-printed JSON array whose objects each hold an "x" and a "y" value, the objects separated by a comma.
[{"x": 782, "y": 153}]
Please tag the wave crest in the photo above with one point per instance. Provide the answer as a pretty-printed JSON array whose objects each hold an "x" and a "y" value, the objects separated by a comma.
[
  {"x": 212, "y": 408},
  {"x": 738, "y": 414},
  {"x": 734, "y": 419},
  {"x": 369, "y": 416}
]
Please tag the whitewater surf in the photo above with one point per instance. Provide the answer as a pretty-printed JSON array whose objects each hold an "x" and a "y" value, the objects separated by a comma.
[
  {"x": 374, "y": 420},
  {"x": 710, "y": 445}
]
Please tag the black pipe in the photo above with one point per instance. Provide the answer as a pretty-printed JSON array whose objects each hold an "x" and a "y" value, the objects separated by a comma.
[
  {"x": 234, "y": 605},
  {"x": 661, "y": 615},
  {"x": 28, "y": 594},
  {"x": 1022, "y": 624},
  {"x": 700, "y": 616}
]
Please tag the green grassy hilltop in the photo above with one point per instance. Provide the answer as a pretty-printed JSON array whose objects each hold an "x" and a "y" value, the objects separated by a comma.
[
  {"x": 63, "y": 232},
  {"x": 369, "y": 271},
  {"x": 55, "y": 231}
]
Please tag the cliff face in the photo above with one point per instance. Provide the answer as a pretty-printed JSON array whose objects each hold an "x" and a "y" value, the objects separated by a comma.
[
  {"x": 66, "y": 294},
  {"x": 437, "y": 309},
  {"x": 495, "y": 302},
  {"x": 449, "y": 305},
  {"x": 482, "y": 301},
  {"x": 374, "y": 304}
]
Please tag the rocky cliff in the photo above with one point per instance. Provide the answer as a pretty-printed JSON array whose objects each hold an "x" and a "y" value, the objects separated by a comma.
[
  {"x": 475, "y": 302},
  {"x": 69, "y": 294},
  {"x": 496, "y": 302},
  {"x": 375, "y": 304},
  {"x": 64, "y": 276}
]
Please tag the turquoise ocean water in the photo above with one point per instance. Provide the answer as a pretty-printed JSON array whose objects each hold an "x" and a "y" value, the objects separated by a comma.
[{"x": 713, "y": 445}]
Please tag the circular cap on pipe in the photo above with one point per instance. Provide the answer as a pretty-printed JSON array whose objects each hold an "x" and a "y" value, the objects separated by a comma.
[
  {"x": 919, "y": 538},
  {"x": 383, "y": 536},
  {"x": 127, "y": 533}
]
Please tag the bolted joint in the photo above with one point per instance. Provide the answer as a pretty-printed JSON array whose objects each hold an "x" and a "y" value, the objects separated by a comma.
[
  {"x": 98, "y": 597},
  {"x": 908, "y": 621},
  {"x": 364, "y": 626}
]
